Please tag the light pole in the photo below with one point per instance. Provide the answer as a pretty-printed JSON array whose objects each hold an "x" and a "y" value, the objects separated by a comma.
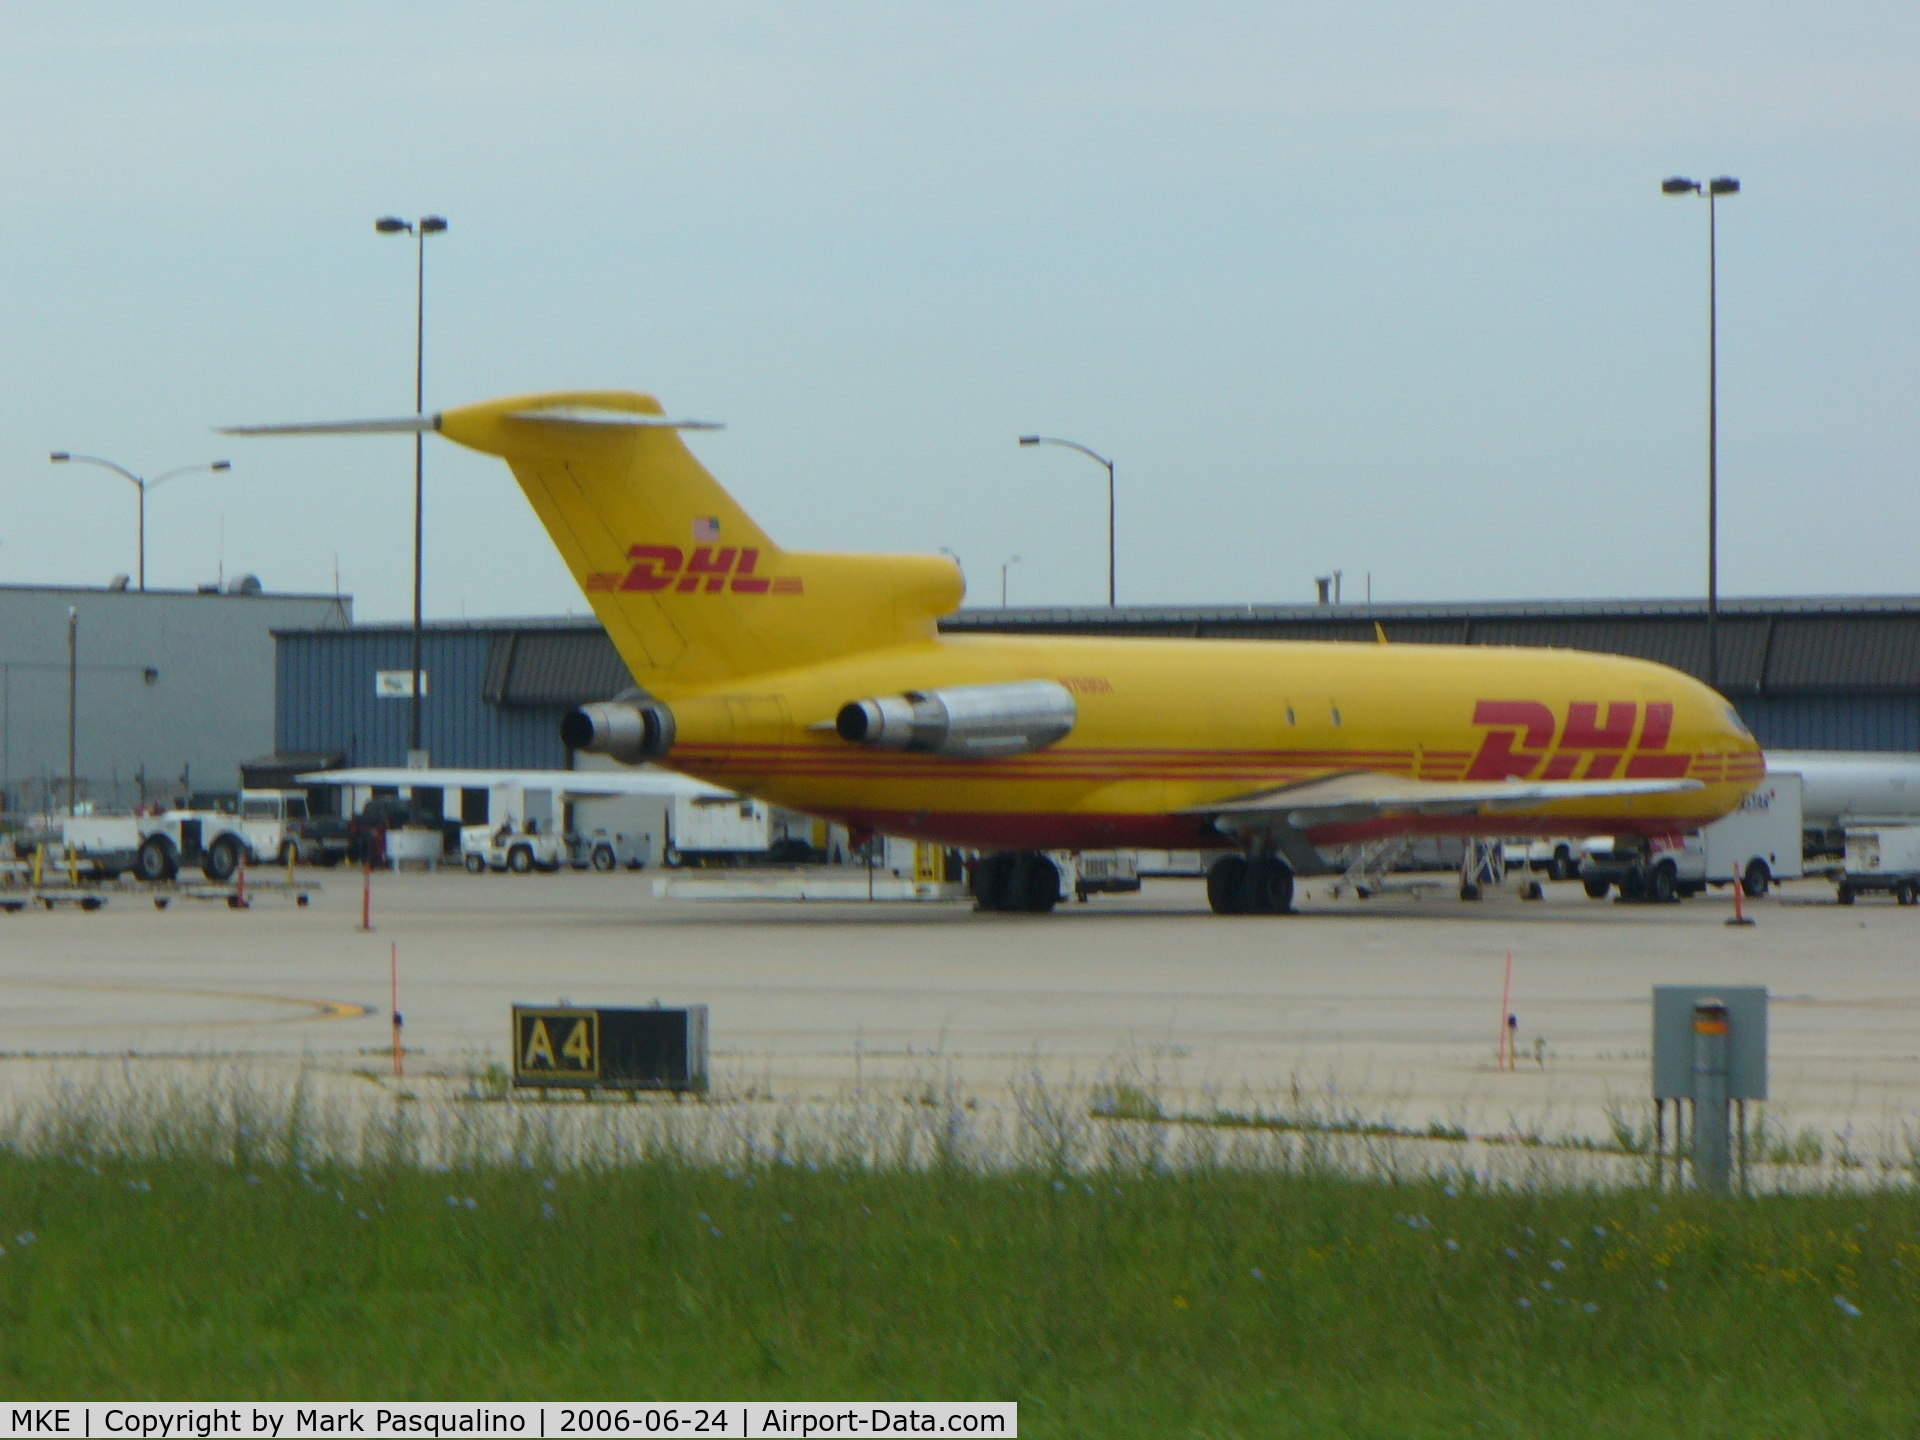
[
  {"x": 1011, "y": 560},
  {"x": 419, "y": 229},
  {"x": 73, "y": 710},
  {"x": 1713, "y": 190},
  {"x": 1101, "y": 459},
  {"x": 61, "y": 457}
]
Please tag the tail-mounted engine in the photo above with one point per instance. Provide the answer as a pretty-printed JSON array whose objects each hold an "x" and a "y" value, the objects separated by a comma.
[
  {"x": 975, "y": 722},
  {"x": 629, "y": 731}
]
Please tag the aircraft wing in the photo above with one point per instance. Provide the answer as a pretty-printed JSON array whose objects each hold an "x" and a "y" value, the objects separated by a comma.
[
  {"x": 1362, "y": 795},
  {"x": 583, "y": 784}
]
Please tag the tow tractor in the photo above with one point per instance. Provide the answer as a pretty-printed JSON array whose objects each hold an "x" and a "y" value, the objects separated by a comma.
[
  {"x": 483, "y": 848},
  {"x": 219, "y": 841}
]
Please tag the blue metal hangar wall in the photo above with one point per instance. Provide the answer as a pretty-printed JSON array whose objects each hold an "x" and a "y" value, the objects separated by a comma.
[
  {"x": 1840, "y": 673},
  {"x": 493, "y": 692},
  {"x": 1816, "y": 674}
]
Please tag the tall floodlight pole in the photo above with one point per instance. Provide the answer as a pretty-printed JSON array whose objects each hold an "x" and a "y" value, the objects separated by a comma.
[
  {"x": 1101, "y": 459},
  {"x": 61, "y": 457},
  {"x": 73, "y": 708},
  {"x": 1713, "y": 190},
  {"x": 1006, "y": 565},
  {"x": 419, "y": 229}
]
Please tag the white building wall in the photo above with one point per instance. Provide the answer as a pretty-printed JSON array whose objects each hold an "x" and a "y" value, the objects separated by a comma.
[{"x": 176, "y": 687}]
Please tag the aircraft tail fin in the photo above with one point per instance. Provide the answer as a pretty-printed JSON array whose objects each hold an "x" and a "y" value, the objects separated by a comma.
[{"x": 692, "y": 591}]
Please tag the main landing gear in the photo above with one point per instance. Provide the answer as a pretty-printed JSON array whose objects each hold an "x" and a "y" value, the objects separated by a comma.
[
  {"x": 1016, "y": 880},
  {"x": 1250, "y": 885}
]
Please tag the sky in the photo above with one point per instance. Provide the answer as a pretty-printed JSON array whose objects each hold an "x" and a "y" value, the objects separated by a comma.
[{"x": 1387, "y": 288}]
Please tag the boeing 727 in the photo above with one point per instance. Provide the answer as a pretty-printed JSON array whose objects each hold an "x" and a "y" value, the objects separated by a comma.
[{"x": 822, "y": 682}]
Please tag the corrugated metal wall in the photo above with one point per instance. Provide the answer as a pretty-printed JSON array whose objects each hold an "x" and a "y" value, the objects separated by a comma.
[
  {"x": 1834, "y": 722},
  {"x": 325, "y": 700}
]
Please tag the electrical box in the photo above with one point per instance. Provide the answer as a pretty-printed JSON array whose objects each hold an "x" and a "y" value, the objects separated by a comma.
[
  {"x": 1673, "y": 1039},
  {"x": 582, "y": 1048}
]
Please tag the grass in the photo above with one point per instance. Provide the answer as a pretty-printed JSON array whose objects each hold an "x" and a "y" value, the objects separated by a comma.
[{"x": 215, "y": 1253}]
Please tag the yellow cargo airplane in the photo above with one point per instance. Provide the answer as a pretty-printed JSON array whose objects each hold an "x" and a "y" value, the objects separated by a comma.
[{"x": 821, "y": 682}]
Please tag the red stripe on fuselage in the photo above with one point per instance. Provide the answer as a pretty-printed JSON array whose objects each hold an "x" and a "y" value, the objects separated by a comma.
[{"x": 1055, "y": 831}]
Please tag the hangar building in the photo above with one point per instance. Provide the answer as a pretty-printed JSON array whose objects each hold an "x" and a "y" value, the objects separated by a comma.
[
  {"x": 1827, "y": 674},
  {"x": 171, "y": 689}
]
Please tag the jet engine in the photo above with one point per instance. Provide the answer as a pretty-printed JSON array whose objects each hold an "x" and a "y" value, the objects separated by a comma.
[
  {"x": 630, "y": 731},
  {"x": 976, "y": 722}
]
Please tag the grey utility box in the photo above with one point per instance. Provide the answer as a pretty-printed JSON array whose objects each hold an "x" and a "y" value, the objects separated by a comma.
[{"x": 1673, "y": 1042}]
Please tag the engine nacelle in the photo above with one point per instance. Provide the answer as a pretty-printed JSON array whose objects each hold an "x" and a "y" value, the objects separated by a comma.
[
  {"x": 978, "y": 722},
  {"x": 628, "y": 731}
]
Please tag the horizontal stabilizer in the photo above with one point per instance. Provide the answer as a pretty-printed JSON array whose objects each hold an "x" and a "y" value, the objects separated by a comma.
[
  {"x": 579, "y": 416},
  {"x": 587, "y": 416},
  {"x": 1363, "y": 795},
  {"x": 399, "y": 425}
]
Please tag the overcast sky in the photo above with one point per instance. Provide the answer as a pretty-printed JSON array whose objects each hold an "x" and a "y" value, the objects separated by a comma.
[{"x": 1387, "y": 288}]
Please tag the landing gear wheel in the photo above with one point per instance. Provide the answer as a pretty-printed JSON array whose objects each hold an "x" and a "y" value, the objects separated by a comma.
[
  {"x": 1269, "y": 887},
  {"x": 603, "y": 859},
  {"x": 1756, "y": 880},
  {"x": 221, "y": 860},
  {"x": 1844, "y": 895},
  {"x": 520, "y": 859},
  {"x": 1561, "y": 866},
  {"x": 1034, "y": 885},
  {"x": 476, "y": 865},
  {"x": 155, "y": 861},
  {"x": 1596, "y": 889},
  {"x": 1664, "y": 886},
  {"x": 990, "y": 876},
  {"x": 1905, "y": 892},
  {"x": 1469, "y": 890},
  {"x": 1633, "y": 885},
  {"x": 1225, "y": 883}
]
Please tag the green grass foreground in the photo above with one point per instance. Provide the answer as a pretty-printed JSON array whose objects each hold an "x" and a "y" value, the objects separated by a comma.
[{"x": 1206, "y": 1303}]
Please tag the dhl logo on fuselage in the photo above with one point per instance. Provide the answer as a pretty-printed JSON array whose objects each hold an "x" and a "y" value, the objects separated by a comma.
[
  {"x": 709, "y": 570},
  {"x": 1521, "y": 743}
]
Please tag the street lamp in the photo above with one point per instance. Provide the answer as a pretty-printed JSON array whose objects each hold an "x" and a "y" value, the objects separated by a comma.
[
  {"x": 420, "y": 229},
  {"x": 1091, "y": 455},
  {"x": 1713, "y": 190},
  {"x": 1004, "y": 564},
  {"x": 62, "y": 457}
]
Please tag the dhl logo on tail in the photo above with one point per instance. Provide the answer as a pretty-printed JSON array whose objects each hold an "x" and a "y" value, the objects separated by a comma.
[{"x": 711, "y": 568}]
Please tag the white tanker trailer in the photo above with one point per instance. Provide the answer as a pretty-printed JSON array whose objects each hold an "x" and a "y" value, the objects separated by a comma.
[
  {"x": 1839, "y": 788},
  {"x": 1861, "y": 816}
]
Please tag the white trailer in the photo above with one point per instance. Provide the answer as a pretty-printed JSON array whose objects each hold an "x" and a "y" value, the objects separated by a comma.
[
  {"x": 1882, "y": 857},
  {"x": 718, "y": 827},
  {"x": 94, "y": 845}
]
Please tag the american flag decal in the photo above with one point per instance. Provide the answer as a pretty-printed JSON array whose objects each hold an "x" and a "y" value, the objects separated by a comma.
[{"x": 707, "y": 529}]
